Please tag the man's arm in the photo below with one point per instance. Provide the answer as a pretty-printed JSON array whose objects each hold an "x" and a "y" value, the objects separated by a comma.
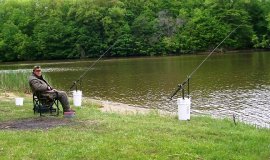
[{"x": 38, "y": 86}]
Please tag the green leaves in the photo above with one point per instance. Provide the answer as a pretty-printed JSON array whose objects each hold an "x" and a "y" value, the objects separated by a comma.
[
  {"x": 13, "y": 43},
  {"x": 49, "y": 29}
]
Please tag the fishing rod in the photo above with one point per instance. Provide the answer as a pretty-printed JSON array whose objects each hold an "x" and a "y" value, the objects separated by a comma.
[
  {"x": 82, "y": 75},
  {"x": 182, "y": 85}
]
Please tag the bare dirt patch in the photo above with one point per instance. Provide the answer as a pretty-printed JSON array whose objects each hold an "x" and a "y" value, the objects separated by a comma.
[
  {"x": 35, "y": 123},
  {"x": 6, "y": 96},
  {"x": 110, "y": 106},
  {"x": 9, "y": 96}
]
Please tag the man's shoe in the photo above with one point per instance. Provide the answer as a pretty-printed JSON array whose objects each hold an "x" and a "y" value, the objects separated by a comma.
[
  {"x": 69, "y": 114},
  {"x": 69, "y": 110}
]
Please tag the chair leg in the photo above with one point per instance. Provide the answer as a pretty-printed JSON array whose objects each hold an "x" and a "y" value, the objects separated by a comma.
[
  {"x": 57, "y": 102},
  {"x": 34, "y": 108},
  {"x": 51, "y": 108},
  {"x": 57, "y": 107},
  {"x": 40, "y": 112}
]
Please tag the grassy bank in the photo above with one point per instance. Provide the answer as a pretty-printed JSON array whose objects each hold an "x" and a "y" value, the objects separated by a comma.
[{"x": 98, "y": 135}]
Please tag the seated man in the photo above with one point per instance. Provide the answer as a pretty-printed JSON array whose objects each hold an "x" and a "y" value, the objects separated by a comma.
[{"x": 38, "y": 84}]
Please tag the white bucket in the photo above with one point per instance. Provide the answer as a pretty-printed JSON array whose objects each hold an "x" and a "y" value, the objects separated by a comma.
[
  {"x": 19, "y": 101},
  {"x": 183, "y": 108},
  {"x": 77, "y": 98}
]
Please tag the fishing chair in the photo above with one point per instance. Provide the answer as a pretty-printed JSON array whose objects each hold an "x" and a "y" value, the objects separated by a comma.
[{"x": 43, "y": 104}]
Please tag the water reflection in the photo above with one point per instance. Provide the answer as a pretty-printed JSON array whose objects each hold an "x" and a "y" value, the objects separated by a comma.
[{"x": 225, "y": 85}]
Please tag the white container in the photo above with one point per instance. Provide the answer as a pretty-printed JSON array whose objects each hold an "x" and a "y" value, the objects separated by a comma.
[
  {"x": 77, "y": 98},
  {"x": 183, "y": 108},
  {"x": 19, "y": 101}
]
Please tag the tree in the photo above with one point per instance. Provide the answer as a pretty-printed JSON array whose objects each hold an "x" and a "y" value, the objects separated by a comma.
[
  {"x": 14, "y": 44},
  {"x": 59, "y": 29}
]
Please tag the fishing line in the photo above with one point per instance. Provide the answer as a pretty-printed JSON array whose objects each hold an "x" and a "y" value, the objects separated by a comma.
[
  {"x": 182, "y": 85},
  {"x": 93, "y": 64}
]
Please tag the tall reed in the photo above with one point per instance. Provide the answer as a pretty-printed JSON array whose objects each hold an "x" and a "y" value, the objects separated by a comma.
[{"x": 15, "y": 81}]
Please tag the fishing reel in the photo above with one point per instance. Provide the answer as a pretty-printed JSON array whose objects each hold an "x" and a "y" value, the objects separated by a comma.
[
  {"x": 181, "y": 87},
  {"x": 76, "y": 84}
]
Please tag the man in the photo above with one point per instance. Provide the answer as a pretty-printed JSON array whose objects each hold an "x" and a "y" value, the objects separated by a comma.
[{"x": 38, "y": 84}]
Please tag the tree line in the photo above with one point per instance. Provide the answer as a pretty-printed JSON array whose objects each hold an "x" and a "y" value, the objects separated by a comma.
[{"x": 60, "y": 29}]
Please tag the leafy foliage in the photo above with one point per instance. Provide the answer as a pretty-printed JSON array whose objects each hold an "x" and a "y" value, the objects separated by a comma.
[{"x": 57, "y": 29}]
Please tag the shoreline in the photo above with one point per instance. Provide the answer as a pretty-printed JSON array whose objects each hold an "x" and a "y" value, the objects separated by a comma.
[
  {"x": 122, "y": 108},
  {"x": 46, "y": 61},
  {"x": 104, "y": 105},
  {"x": 107, "y": 106}
]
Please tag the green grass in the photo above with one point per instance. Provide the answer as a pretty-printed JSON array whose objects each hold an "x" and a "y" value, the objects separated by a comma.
[{"x": 113, "y": 136}]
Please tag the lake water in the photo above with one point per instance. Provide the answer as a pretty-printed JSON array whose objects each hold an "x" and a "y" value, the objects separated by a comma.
[{"x": 226, "y": 85}]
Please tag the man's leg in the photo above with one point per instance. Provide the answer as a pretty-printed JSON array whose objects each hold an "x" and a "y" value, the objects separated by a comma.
[{"x": 63, "y": 98}]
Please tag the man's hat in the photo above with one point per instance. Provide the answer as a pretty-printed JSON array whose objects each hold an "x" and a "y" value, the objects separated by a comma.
[{"x": 36, "y": 68}]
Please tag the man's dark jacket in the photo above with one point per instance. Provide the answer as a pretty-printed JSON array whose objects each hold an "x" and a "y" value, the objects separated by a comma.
[{"x": 38, "y": 84}]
